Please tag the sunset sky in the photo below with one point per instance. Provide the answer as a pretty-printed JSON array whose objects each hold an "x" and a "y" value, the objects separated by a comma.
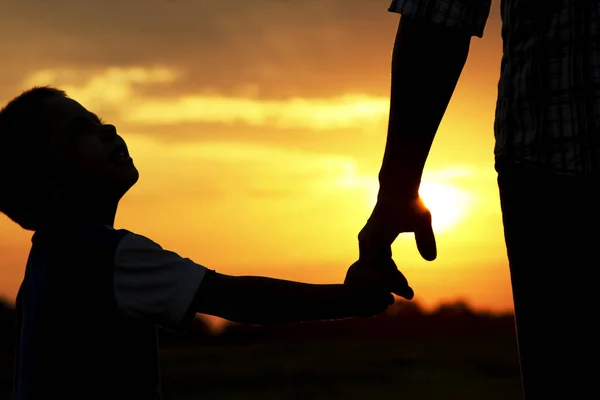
[{"x": 258, "y": 129}]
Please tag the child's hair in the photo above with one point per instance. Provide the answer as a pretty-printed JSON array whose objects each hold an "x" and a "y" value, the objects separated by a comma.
[{"x": 23, "y": 156}]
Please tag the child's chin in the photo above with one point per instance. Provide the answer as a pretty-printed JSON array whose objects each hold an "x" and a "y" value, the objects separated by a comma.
[
  {"x": 133, "y": 177},
  {"x": 126, "y": 181}
]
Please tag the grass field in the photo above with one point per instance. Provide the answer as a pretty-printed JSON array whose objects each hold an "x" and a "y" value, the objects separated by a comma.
[
  {"x": 465, "y": 369},
  {"x": 449, "y": 354}
]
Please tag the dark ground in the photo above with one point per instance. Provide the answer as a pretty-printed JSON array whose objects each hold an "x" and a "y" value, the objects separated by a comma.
[
  {"x": 451, "y": 353},
  {"x": 482, "y": 368}
]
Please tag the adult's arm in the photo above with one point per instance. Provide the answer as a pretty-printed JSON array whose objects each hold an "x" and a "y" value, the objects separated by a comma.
[{"x": 430, "y": 51}]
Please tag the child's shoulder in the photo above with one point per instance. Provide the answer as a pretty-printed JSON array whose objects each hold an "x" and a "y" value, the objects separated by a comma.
[
  {"x": 99, "y": 244},
  {"x": 79, "y": 235},
  {"x": 92, "y": 240}
]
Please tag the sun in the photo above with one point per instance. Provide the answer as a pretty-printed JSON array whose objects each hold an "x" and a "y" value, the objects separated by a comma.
[{"x": 447, "y": 203}]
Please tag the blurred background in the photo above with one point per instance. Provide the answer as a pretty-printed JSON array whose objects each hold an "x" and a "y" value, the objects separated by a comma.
[{"x": 258, "y": 129}]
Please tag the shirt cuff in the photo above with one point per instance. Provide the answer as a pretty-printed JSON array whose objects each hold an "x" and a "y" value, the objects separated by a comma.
[{"x": 468, "y": 15}]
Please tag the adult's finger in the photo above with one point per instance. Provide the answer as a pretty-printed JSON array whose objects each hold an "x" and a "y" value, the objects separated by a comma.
[
  {"x": 424, "y": 235},
  {"x": 426, "y": 245}
]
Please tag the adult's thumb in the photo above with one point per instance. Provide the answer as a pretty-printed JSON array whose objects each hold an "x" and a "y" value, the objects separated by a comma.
[{"x": 425, "y": 239}]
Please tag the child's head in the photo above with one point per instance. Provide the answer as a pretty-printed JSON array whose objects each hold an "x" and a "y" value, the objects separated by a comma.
[{"x": 57, "y": 156}]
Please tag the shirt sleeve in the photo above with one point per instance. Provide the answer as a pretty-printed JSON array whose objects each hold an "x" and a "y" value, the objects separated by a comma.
[
  {"x": 154, "y": 284},
  {"x": 470, "y": 15}
]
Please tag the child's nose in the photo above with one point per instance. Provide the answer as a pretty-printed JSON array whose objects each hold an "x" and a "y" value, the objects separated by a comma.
[{"x": 109, "y": 132}]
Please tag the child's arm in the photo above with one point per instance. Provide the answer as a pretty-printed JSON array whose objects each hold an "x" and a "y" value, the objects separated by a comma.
[
  {"x": 261, "y": 300},
  {"x": 161, "y": 287}
]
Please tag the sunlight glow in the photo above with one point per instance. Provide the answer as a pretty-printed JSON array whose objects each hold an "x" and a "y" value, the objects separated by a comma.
[{"x": 447, "y": 203}]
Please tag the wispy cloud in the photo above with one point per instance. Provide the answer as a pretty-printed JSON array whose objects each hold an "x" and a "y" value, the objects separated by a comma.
[
  {"x": 332, "y": 113},
  {"x": 115, "y": 89},
  {"x": 111, "y": 87},
  {"x": 222, "y": 169}
]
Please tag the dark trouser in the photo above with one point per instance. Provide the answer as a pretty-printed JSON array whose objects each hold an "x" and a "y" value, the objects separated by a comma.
[{"x": 552, "y": 232}]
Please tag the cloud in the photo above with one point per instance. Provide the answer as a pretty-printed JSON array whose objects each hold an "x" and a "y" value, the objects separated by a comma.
[
  {"x": 310, "y": 48},
  {"x": 334, "y": 113},
  {"x": 221, "y": 169},
  {"x": 311, "y": 75},
  {"x": 113, "y": 86},
  {"x": 281, "y": 48},
  {"x": 115, "y": 89}
]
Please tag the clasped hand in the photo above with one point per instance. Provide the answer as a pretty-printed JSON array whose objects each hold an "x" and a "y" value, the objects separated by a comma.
[{"x": 390, "y": 217}]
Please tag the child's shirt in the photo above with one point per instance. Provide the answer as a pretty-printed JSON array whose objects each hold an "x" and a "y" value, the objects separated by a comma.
[{"x": 88, "y": 309}]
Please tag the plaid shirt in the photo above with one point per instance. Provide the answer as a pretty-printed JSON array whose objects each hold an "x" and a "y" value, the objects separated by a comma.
[{"x": 548, "y": 107}]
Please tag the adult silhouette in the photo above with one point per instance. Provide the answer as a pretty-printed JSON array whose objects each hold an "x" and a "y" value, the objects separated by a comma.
[{"x": 547, "y": 153}]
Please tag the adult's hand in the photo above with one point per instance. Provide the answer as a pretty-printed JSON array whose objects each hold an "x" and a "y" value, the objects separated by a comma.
[{"x": 390, "y": 217}]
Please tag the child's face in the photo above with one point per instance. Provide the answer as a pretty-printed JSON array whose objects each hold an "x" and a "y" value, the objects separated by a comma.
[{"x": 90, "y": 157}]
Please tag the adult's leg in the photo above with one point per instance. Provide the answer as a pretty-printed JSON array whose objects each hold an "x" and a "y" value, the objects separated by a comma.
[{"x": 552, "y": 232}]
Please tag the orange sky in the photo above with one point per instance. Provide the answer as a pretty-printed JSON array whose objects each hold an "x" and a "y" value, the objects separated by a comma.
[{"x": 259, "y": 130}]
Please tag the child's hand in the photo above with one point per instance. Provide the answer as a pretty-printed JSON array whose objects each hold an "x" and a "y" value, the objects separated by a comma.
[
  {"x": 368, "y": 302},
  {"x": 385, "y": 275}
]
